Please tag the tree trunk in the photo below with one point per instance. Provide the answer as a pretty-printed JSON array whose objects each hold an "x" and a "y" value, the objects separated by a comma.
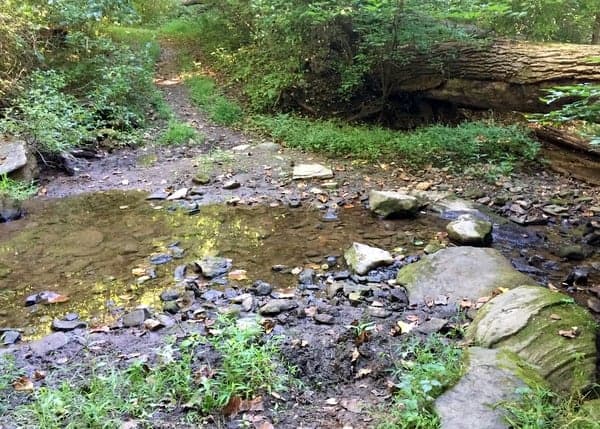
[
  {"x": 503, "y": 75},
  {"x": 596, "y": 31},
  {"x": 565, "y": 139}
]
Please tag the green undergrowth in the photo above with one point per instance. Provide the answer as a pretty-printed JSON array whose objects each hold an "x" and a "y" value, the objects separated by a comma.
[
  {"x": 424, "y": 369},
  {"x": 15, "y": 189},
  {"x": 182, "y": 381},
  {"x": 179, "y": 133},
  {"x": 9, "y": 372},
  {"x": 205, "y": 94},
  {"x": 538, "y": 407},
  {"x": 468, "y": 143}
]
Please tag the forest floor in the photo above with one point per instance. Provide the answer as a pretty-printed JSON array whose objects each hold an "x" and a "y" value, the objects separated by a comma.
[{"x": 344, "y": 377}]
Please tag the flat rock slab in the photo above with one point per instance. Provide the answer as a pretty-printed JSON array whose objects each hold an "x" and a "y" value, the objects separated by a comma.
[
  {"x": 49, "y": 343},
  {"x": 13, "y": 155},
  {"x": 213, "y": 266},
  {"x": 489, "y": 379},
  {"x": 311, "y": 171},
  {"x": 362, "y": 258},
  {"x": 389, "y": 203},
  {"x": 459, "y": 273},
  {"x": 537, "y": 324}
]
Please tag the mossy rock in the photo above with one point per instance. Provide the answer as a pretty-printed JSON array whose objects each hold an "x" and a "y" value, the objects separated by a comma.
[
  {"x": 458, "y": 273},
  {"x": 527, "y": 321},
  {"x": 490, "y": 377}
]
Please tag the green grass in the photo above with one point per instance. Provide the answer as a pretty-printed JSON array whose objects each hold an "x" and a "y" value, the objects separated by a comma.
[
  {"x": 9, "y": 372},
  {"x": 204, "y": 93},
  {"x": 182, "y": 381},
  {"x": 15, "y": 189},
  {"x": 178, "y": 133},
  {"x": 135, "y": 37},
  {"x": 539, "y": 408},
  {"x": 424, "y": 370},
  {"x": 439, "y": 145},
  {"x": 184, "y": 28}
]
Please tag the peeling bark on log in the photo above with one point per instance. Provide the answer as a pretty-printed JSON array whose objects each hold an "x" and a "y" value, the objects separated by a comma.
[{"x": 504, "y": 75}]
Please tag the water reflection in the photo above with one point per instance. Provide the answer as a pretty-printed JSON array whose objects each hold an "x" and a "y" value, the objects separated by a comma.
[{"x": 86, "y": 247}]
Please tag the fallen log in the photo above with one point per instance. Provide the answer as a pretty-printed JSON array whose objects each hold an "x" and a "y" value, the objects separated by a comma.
[
  {"x": 565, "y": 139},
  {"x": 502, "y": 75}
]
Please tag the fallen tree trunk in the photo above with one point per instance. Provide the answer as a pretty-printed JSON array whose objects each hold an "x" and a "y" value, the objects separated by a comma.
[
  {"x": 503, "y": 75},
  {"x": 565, "y": 139}
]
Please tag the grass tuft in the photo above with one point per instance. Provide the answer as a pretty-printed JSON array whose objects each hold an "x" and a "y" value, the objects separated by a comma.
[
  {"x": 179, "y": 133},
  {"x": 15, "y": 189}
]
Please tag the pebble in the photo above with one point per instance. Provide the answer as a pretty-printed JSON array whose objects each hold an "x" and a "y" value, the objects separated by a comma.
[
  {"x": 67, "y": 325},
  {"x": 325, "y": 319},
  {"x": 161, "y": 259},
  {"x": 262, "y": 288},
  {"x": 169, "y": 295},
  {"x": 10, "y": 337},
  {"x": 135, "y": 318},
  {"x": 231, "y": 184}
]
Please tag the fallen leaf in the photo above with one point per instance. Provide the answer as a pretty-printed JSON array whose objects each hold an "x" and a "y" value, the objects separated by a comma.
[
  {"x": 39, "y": 375},
  {"x": 355, "y": 355},
  {"x": 332, "y": 401},
  {"x": 570, "y": 333},
  {"x": 363, "y": 372},
  {"x": 404, "y": 327},
  {"x": 555, "y": 317},
  {"x": 233, "y": 406},
  {"x": 100, "y": 329},
  {"x": 23, "y": 384},
  {"x": 268, "y": 325}
]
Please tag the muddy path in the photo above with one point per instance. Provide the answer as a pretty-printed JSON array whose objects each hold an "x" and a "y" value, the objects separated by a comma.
[{"x": 262, "y": 219}]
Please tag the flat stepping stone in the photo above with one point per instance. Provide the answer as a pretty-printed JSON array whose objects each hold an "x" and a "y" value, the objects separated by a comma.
[
  {"x": 311, "y": 171},
  {"x": 491, "y": 377},
  {"x": 459, "y": 273}
]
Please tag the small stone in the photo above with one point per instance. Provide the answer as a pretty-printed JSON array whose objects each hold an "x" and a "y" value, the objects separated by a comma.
[
  {"x": 160, "y": 194},
  {"x": 67, "y": 325},
  {"x": 212, "y": 295},
  {"x": 388, "y": 204},
  {"x": 362, "y": 258},
  {"x": 594, "y": 304},
  {"x": 135, "y": 318},
  {"x": 307, "y": 276},
  {"x": 355, "y": 297},
  {"x": 423, "y": 186},
  {"x": 201, "y": 179},
  {"x": 49, "y": 343},
  {"x": 178, "y": 194},
  {"x": 212, "y": 266},
  {"x": 325, "y": 319},
  {"x": 160, "y": 259},
  {"x": 333, "y": 289},
  {"x": 379, "y": 312},
  {"x": 152, "y": 324},
  {"x": 432, "y": 326},
  {"x": 231, "y": 184},
  {"x": 179, "y": 273},
  {"x": 165, "y": 320},
  {"x": 262, "y": 288},
  {"x": 276, "y": 306},
  {"x": 578, "y": 276},
  {"x": 470, "y": 231},
  {"x": 10, "y": 337},
  {"x": 573, "y": 253},
  {"x": 171, "y": 307},
  {"x": 247, "y": 304},
  {"x": 169, "y": 295},
  {"x": 311, "y": 171}
]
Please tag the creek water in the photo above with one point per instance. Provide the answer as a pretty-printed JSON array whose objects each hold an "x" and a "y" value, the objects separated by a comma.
[{"x": 85, "y": 247}]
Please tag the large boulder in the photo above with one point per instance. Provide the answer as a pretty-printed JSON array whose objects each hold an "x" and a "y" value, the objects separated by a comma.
[
  {"x": 459, "y": 273},
  {"x": 470, "y": 231},
  {"x": 362, "y": 258},
  {"x": 491, "y": 377},
  {"x": 393, "y": 204},
  {"x": 17, "y": 160},
  {"x": 546, "y": 329}
]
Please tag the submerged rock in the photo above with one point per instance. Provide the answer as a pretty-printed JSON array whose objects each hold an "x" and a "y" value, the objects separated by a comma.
[
  {"x": 546, "y": 329},
  {"x": 459, "y": 273},
  {"x": 362, "y": 258},
  {"x": 212, "y": 266},
  {"x": 10, "y": 209},
  {"x": 490, "y": 378},
  {"x": 470, "y": 231},
  {"x": 388, "y": 204}
]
